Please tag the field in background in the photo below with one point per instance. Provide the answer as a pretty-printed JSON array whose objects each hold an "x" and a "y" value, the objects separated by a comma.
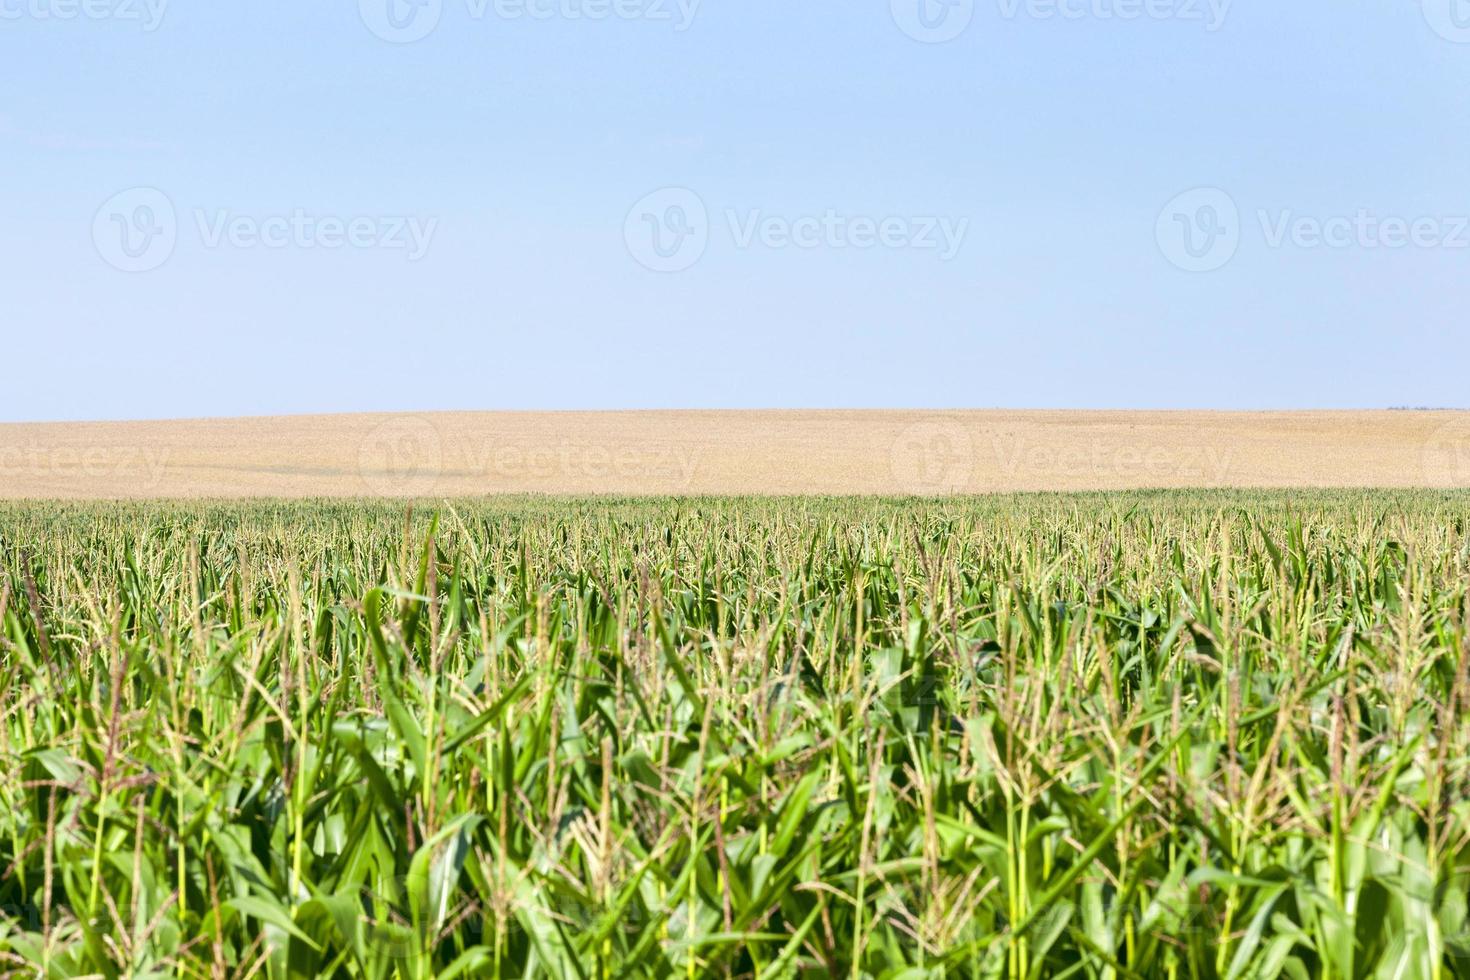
[
  {"x": 713, "y": 453},
  {"x": 1166, "y": 735}
]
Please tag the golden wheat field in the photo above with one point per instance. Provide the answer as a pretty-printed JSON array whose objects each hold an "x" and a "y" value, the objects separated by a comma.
[{"x": 718, "y": 452}]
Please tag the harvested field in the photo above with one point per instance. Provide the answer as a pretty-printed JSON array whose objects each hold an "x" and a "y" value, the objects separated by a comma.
[{"x": 718, "y": 452}]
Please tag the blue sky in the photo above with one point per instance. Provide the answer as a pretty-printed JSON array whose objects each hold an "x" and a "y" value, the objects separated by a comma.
[{"x": 546, "y": 204}]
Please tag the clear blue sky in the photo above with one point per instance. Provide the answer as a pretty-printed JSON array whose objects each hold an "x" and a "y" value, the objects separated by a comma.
[{"x": 1053, "y": 142}]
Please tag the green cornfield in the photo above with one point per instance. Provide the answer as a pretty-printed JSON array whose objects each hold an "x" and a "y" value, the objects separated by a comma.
[{"x": 1179, "y": 735}]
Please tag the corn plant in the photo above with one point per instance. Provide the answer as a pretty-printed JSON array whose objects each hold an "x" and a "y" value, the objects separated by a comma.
[{"x": 1182, "y": 735}]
